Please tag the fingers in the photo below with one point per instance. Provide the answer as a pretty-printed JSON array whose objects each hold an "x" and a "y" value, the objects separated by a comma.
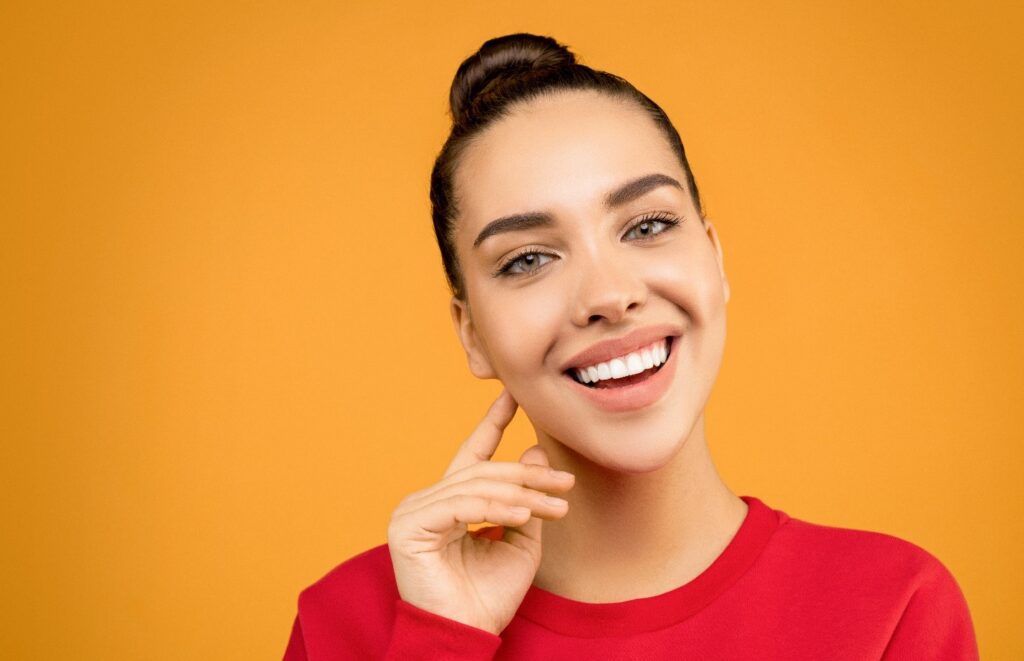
[
  {"x": 440, "y": 516},
  {"x": 535, "y": 455},
  {"x": 475, "y": 489},
  {"x": 538, "y": 501},
  {"x": 527, "y": 537},
  {"x": 532, "y": 476},
  {"x": 478, "y": 501},
  {"x": 484, "y": 440}
]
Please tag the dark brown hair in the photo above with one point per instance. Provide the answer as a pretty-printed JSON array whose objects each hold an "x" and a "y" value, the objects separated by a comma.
[{"x": 509, "y": 70}]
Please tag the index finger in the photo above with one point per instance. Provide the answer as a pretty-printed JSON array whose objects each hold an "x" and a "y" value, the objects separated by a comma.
[{"x": 484, "y": 440}]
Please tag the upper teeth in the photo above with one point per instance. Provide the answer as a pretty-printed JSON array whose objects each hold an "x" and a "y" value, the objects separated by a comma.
[{"x": 642, "y": 359}]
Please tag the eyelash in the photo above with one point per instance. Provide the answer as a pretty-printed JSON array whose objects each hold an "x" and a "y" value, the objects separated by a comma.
[{"x": 668, "y": 220}]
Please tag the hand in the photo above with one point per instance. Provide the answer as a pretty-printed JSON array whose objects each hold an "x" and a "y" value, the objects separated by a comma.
[{"x": 438, "y": 566}]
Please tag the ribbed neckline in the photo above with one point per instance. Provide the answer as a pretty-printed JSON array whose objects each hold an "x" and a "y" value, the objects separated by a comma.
[{"x": 622, "y": 618}]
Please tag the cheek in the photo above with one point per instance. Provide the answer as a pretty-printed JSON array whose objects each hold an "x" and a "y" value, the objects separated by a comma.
[
  {"x": 689, "y": 279},
  {"x": 522, "y": 326},
  {"x": 687, "y": 275}
]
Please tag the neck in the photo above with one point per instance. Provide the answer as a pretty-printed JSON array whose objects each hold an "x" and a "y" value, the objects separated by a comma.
[{"x": 641, "y": 534}]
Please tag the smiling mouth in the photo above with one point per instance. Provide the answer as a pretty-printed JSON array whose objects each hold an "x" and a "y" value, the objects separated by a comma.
[{"x": 615, "y": 372}]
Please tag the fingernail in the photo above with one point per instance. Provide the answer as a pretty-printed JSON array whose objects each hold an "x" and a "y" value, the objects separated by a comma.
[
  {"x": 556, "y": 502},
  {"x": 561, "y": 475}
]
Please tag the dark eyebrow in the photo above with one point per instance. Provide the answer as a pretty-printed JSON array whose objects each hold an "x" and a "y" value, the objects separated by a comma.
[
  {"x": 634, "y": 189},
  {"x": 517, "y": 222},
  {"x": 628, "y": 192}
]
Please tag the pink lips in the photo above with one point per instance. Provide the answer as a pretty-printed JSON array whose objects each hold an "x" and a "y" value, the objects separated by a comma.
[
  {"x": 608, "y": 349},
  {"x": 636, "y": 395}
]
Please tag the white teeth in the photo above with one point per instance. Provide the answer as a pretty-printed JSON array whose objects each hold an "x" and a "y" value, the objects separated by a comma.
[
  {"x": 634, "y": 364},
  {"x": 642, "y": 359}
]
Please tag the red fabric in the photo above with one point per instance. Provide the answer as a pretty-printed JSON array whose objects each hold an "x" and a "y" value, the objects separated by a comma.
[{"x": 782, "y": 589}]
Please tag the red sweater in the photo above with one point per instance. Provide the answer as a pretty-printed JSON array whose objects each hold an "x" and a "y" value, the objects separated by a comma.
[{"x": 782, "y": 589}]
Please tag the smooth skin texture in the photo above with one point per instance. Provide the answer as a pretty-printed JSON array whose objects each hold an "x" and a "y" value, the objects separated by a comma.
[
  {"x": 439, "y": 567},
  {"x": 648, "y": 511}
]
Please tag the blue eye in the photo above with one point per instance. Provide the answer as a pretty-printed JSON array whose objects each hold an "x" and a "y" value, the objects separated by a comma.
[
  {"x": 649, "y": 226},
  {"x": 530, "y": 261}
]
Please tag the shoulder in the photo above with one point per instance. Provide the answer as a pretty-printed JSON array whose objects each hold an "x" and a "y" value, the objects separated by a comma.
[
  {"x": 857, "y": 552},
  {"x": 883, "y": 593},
  {"x": 911, "y": 593},
  {"x": 366, "y": 576},
  {"x": 351, "y": 608},
  {"x": 871, "y": 572}
]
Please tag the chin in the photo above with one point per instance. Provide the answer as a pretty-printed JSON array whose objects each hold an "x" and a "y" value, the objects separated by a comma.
[
  {"x": 647, "y": 457},
  {"x": 626, "y": 446},
  {"x": 640, "y": 441}
]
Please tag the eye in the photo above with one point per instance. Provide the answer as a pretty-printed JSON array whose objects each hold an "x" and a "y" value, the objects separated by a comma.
[
  {"x": 525, "y": 262},
  {"x": 652, "y": 225}
]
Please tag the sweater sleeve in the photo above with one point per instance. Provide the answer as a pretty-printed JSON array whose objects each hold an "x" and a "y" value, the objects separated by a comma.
[
  {"x": 420, "y": 634},
  {"x": 296, "y": 650},
  {"x": 936, "y": 623}
]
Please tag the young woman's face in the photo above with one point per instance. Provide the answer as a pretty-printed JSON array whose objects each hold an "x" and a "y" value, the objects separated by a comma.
[{"x": 579, "y": 260}]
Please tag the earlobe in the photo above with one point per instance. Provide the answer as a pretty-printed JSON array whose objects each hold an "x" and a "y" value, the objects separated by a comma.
[
  {"x": 462, "y": 320},
  {"x": 713, "y": 235}
]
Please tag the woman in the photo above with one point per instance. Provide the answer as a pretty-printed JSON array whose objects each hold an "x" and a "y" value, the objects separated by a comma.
[{"x": 587, "y": 279}]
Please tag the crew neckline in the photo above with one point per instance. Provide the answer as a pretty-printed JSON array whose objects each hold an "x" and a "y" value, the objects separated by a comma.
[{"x": 622, "y": 618}]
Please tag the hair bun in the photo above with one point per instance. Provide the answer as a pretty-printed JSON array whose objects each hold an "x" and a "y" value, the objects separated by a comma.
[{"x": 501, "y": 59}]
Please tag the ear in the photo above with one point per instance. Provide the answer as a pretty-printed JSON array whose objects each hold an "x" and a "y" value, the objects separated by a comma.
[
  {"x": 479, "y": 364},
  {"x": 713, "y": 235}
]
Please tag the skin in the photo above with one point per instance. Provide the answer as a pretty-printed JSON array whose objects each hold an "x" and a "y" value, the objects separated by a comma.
[
  {"x": 649, "y": 511},
  {"x": 644, "y": 510}
]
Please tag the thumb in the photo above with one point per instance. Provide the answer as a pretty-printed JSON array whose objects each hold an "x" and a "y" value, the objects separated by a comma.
[{"x": 527, "y": 536}]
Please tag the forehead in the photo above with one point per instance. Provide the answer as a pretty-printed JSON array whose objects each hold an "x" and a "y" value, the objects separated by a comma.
[{"x": 559, "y": 152}]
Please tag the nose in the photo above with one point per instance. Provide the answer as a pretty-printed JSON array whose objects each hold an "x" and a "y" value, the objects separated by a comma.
[{"x": 609, "y": 289}]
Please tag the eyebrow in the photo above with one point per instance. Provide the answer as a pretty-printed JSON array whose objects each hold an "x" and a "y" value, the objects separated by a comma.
[{"x": 625, "y": 193}]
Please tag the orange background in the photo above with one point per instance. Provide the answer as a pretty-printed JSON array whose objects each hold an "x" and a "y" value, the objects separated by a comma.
[{"x": 227, "y": 352}]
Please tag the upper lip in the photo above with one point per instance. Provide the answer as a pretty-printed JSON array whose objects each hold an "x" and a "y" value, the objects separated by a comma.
[{"x": 608, "y": 349}]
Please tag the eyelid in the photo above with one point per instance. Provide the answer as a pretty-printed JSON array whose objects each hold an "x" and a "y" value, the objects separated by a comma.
[
  {"x": 506, "y": 264},
  {"x": 670, "y": 220}
]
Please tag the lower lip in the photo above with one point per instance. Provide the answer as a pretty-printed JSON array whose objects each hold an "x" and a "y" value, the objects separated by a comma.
[{"x": 635, "y": 396}]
